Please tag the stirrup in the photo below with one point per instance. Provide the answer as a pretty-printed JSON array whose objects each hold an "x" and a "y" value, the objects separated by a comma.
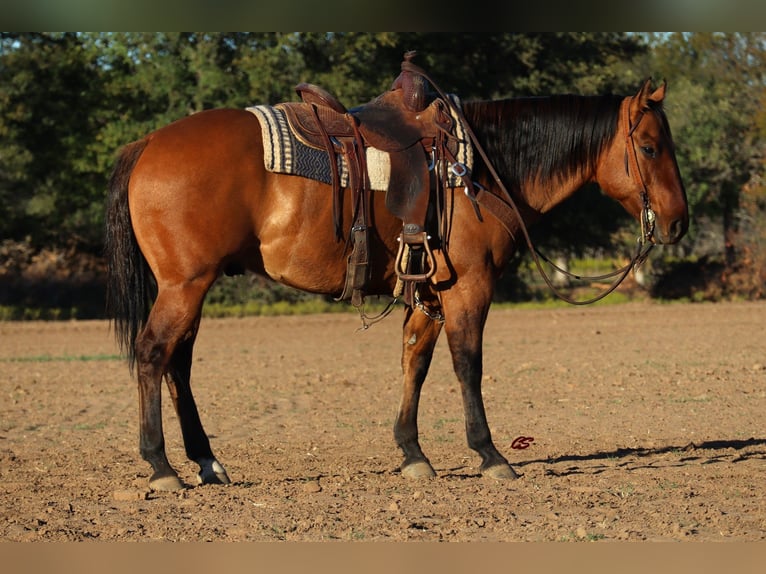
[{"x": 409, "y": 242}]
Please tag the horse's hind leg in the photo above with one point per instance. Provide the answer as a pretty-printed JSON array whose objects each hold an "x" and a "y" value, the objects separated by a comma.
[
  {"x": 420, "y": 336},
  {"x": 196, "y": 442},
  {"x": 172, "y": 322}
]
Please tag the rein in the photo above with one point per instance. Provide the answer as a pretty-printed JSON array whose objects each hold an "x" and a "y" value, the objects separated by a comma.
[{"x": 499, "y": 206}]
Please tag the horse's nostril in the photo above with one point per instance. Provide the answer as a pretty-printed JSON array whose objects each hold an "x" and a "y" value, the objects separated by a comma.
[{"x": 676, "y": 230}]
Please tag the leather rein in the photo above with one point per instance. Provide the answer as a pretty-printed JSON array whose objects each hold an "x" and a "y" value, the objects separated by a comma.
[{"x": 505, "y": 210}]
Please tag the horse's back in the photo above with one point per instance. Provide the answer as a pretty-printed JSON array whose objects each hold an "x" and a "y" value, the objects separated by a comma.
[{"x": 203, "y": 142}]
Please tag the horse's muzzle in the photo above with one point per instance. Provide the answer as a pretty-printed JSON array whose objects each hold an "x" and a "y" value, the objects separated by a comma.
[{"x": 672, "y": 233}]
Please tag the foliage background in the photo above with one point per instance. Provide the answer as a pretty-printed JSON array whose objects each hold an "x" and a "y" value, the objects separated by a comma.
[{"x": 69, "y": 101}]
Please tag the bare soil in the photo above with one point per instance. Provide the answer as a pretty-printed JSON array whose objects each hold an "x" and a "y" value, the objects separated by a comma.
[{"x": 642, "y": 422}]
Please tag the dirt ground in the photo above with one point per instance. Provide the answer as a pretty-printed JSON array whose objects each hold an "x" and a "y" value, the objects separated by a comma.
[{"x": 643, "y": 422}]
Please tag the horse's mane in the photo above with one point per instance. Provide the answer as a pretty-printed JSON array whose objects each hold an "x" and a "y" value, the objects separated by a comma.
[{"x": 544, "y": 138}]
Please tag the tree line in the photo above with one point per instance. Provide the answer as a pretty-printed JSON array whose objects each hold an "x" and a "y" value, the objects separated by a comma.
[{"x": 69, "y": 101}]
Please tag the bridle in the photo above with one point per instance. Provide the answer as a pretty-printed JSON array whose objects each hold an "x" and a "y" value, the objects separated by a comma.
[
  {"x": 502, "y": 213},
  {"x": 631, "y": 168}
]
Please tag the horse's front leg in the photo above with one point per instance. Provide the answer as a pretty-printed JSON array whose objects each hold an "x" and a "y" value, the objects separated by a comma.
[
  {"x": 465, "y": 318},
  {"x": 420, "y": 334}
]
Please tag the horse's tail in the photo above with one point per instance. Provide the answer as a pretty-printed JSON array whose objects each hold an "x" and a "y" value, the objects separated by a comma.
[{"x": 130, "y": 284}]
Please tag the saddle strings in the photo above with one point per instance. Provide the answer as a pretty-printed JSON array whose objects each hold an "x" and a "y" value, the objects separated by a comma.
[{"x": 641, "y": 253}]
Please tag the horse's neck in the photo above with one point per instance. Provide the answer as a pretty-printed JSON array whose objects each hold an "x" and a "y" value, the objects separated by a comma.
[
  {"x": 543, "y": 198},
  {"x": 544, "y": 149}
]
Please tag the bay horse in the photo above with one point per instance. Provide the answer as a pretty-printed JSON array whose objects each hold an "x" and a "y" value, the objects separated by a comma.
[{"x": 192, "y": 200}]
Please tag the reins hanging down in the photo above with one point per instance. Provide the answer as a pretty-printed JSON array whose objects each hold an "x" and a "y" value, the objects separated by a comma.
[{"x": 504, "y": 208}]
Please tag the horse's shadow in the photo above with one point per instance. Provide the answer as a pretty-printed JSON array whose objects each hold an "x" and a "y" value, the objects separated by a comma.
[{"x": 707, "y": 452}]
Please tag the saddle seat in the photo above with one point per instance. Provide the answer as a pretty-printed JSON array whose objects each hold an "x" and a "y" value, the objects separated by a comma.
[{"x": 384, "y": 123}]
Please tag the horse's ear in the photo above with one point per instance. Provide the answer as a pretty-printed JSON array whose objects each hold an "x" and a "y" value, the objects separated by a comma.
[
  {"x": 645, "y": 95},
  {"x": 659, "y": 94}
]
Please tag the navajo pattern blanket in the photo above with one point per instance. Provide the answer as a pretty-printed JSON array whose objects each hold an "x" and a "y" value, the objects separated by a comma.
[{"x": 284, "y": 153}]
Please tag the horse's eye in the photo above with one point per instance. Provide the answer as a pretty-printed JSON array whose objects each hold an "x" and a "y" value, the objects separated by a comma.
[{"x": 649, "y": 151}]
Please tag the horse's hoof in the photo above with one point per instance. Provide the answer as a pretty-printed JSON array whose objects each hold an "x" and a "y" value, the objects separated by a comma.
[
  {"x": 500, "y": 472},
  {"x": 166, "y": 483},
  {"x": 212, "y": 472},
  {"x": 418, "y": 470}
]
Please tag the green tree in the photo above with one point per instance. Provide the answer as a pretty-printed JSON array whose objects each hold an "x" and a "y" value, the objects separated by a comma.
[
  {"x": 493, "y": 66},
  {"x": 50, "y": 184},
  {"x": 270, "y": 65}
]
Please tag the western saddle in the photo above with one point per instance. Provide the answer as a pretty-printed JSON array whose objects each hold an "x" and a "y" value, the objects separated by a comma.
[{"x": 417, "y": 135}]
